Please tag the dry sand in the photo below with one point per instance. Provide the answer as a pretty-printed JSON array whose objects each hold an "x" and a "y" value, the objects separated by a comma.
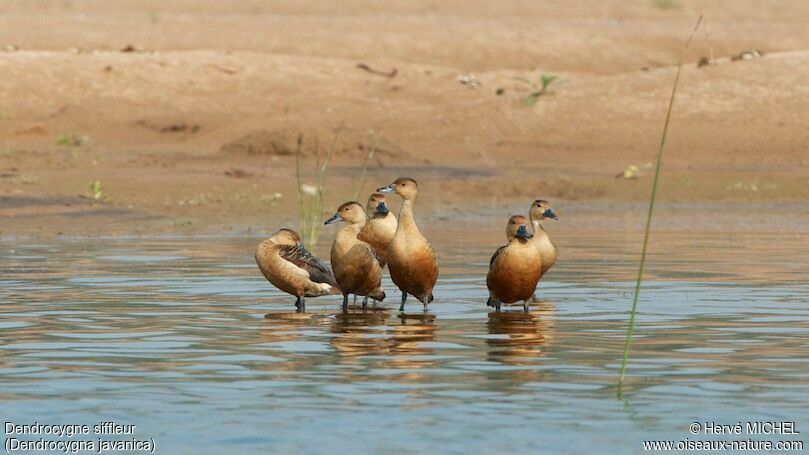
[{"x": 163, "y": 125}]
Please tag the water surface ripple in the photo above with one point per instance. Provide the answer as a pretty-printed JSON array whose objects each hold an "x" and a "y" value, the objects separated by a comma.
[{"x": 171, "y": 335}]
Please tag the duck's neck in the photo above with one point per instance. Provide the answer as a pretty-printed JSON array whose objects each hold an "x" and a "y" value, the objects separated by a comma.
[
  {"x": 350, "y": 231},
  {"x": 406, "y": 219},
  {"x": 537, "y": 225}
]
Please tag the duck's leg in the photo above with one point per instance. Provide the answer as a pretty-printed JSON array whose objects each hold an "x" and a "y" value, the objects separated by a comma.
[
  {"x": 404, "y": 299},
  {"x": 497, "y": 306},
  {"x": 300, "y": 305},
  {"x": 425, "y": 305},
  {"x": 355, "y": 299},
  {"x": 345, "y": 303},
  {"x": 526, "y": 305},
  {"x": 365, "y": 303}
]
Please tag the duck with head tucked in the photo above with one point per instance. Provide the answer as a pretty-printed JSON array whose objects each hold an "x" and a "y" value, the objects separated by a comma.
[
  {"x": 380, "y": 227},
  {"x": 515, "y": 268},
  {"x": 356, "y": 266},
  {"x": 290, "y": 267},
  {"x": 539, "y": 211},
  {"x": 411, "y": 260}
]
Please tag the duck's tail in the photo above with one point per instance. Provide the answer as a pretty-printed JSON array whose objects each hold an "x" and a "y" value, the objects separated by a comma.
[{"x": 322, "y": 289}]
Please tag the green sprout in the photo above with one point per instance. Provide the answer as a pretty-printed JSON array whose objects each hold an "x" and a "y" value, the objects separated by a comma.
[
  {"x": 71, "y": 140},
  {"x": 545, "y": 81},
  {"x": 96, "y": 190}
]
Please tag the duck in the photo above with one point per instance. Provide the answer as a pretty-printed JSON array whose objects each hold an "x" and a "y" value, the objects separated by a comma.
[
  {"x": 411, "y": 259},
  {"x": 380, "y": 227},
  {"x": 515, "y": 268},
  {"x": 356, "y": 266},
  {"x": 288, "y": 265},
  {"x": 539, "y": 211}
]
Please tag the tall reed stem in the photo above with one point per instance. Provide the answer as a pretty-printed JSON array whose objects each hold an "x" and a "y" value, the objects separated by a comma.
[
  {"x": 364, "y": 175},
  {"x": 631, "y": 329}
]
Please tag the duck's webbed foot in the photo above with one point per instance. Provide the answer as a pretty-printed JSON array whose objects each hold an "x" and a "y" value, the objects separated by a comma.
[{"x": 404, "y": 299}]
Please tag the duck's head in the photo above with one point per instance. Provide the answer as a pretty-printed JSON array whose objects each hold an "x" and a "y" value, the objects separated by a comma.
[
  {"x": 405, "y": 187},
  {"x": 376, "y": 205},
  {"x": 516, "y": 227},
  {"x": 285, "y": 237},
  {"x": 541, "y": 209},
  {"x": 350, "y": 212}
]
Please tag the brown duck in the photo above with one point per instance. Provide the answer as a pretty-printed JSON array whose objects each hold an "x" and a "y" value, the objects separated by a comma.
[
  {"x": 411, "y": 259},
  {"x": 356, "y": 266},
  {"x": 290, "y": 267},
  {"x": 380, "y": 227},
  {"x": 539, "y": 211},
  {"x": 515, "y": 268}
]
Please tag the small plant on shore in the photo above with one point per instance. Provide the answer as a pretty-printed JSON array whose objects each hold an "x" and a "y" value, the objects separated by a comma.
[
  {"x": 70, "y": 140},
  {"x": 542, "y": 89},
  {"x": 96, "y": 191},
  {"x": 310, "y": 197},
  {"x": 666, "y": 4}
]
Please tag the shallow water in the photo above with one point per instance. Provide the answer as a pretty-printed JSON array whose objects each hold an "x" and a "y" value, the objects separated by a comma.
[{"x": 171, "y": 335}]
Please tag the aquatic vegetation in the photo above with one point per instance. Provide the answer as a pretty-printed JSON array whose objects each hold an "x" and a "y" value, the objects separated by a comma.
[
  {"x": 310, "y": 197},
  {"x": 364, "y": 175},
  {"x": 631, "y": 328}
]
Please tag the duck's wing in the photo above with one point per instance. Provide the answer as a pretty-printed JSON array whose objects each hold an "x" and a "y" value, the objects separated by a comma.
[
  {"x": 496, "y": 253},
  {"x": 319, "y": 271}
]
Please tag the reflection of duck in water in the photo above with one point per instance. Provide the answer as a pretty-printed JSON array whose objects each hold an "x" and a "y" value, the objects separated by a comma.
[
  {"x": 519, "y": 336},
  {"x": 289, "y": 326},
  {"x": 360, "y": 333},
  {"x": 398, "y": 341}
]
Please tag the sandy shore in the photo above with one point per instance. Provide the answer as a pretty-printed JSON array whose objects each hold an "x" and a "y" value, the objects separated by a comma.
[{"x": 188, "y": 112}]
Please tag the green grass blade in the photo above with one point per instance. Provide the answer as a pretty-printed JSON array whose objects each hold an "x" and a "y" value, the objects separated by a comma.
[{"x": 631, "y": 328}]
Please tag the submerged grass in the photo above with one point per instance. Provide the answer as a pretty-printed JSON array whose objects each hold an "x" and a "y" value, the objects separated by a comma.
[{"x": 631, "y": 328}]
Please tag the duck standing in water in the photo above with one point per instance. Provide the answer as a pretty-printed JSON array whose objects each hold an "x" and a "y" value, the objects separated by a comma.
[
  {"x": 290, "y": 267},
  {"x": 411, "y": 259},
  {"x": 515, "y": 268},
  {"x": 539, "y": 211},
  {"x": 380, "y": 227},
  {"x": 356, "y": 266}
]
